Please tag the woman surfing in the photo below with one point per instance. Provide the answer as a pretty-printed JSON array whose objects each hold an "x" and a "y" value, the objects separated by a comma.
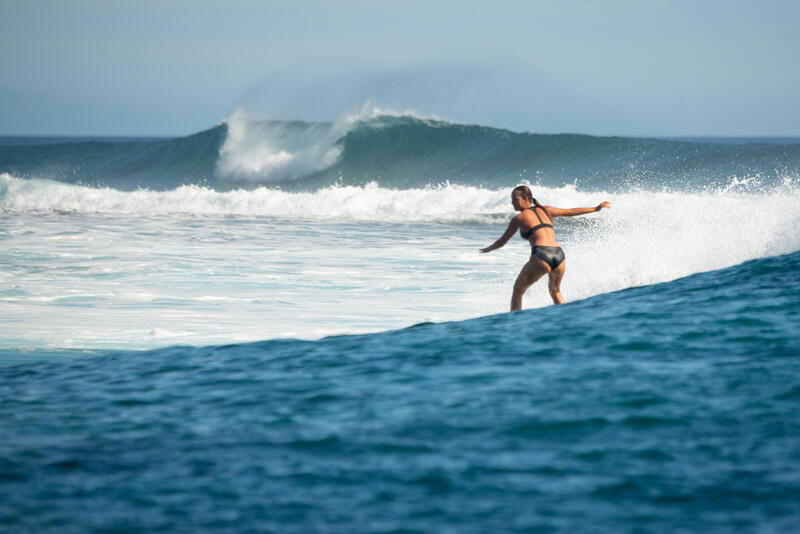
[{"x": 535, "y": 223}]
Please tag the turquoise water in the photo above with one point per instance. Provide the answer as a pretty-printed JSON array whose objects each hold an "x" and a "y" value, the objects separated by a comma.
[{"x": 275, "y": 334}]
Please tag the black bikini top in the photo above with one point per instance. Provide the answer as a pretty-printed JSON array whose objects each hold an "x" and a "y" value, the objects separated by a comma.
[{"x": 528, "y": 233}]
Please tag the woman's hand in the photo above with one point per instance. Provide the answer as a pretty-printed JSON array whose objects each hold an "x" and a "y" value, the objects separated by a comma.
[
  {"x": 512, "y": 227},
  {"x": 603, "y": 205}
]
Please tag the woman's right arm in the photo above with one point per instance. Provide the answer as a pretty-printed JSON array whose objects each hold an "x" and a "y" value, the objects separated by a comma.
[
  {"x": 572, "y": 212},
  {"x": 512, "y": 227}
]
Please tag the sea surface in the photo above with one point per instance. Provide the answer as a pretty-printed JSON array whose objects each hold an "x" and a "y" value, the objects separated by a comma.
[{"x": 277, "y": 326}]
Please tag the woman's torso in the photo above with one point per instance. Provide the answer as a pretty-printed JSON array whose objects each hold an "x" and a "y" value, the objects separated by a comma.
[{"x": 537, "y": 227}]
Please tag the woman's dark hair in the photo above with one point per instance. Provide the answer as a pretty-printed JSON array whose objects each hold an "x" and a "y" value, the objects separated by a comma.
[{"x": 527, "y": 192}]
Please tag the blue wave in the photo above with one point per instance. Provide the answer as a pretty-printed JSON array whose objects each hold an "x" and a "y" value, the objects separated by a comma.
[
  {"x": 399, "y": 152},
  {"x": 124, "y": 165}
]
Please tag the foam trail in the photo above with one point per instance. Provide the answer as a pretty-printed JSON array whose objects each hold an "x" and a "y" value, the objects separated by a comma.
[{"x": 646, "y": 237}]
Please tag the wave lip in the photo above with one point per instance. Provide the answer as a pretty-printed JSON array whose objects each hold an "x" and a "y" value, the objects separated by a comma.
[{"x": 275, "y": 151}]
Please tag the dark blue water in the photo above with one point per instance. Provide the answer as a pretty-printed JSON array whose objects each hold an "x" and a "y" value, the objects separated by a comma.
[{"x": 665, "y": 408}]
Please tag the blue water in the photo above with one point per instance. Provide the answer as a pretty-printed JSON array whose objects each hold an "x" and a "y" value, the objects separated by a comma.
[{"x": 636, "y": 407}]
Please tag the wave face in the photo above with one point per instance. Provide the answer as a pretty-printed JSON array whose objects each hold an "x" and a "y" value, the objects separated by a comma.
[
  {"x": 123, "y": 165},
  {"x": 627, "y": 410},
  {"x": 399, "y": 151}
]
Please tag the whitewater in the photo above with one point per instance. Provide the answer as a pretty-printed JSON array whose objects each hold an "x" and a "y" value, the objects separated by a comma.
[{"x": 97, "y": 267}]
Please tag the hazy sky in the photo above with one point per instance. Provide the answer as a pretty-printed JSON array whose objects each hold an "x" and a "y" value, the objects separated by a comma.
[{"x": 148, "y": 67}]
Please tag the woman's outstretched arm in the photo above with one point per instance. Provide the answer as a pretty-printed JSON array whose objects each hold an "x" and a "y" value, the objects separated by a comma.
[
  {"x": 572, "y": 212},
  {"x": 512, "y": 227}
]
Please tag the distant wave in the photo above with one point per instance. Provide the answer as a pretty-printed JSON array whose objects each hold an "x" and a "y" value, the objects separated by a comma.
[{"x": 400, "y": 151}]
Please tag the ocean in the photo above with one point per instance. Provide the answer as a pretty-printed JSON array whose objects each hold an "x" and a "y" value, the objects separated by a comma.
[{"x": 285, "y": 326}]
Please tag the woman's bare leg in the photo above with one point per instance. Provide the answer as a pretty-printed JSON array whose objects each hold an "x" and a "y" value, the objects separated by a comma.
[
  {"x": 530, "y": 273},
  {"x": 556, "y": 275}
]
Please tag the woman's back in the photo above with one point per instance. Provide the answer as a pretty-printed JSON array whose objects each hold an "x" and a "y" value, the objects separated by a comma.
[{"x": 539, "y": 227}]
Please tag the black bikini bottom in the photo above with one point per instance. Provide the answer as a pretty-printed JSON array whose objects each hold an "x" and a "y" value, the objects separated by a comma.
[{"x": 552, "y": 256}]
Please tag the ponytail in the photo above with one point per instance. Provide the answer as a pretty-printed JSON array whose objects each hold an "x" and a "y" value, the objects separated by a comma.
[{"x": 527, "y": 192}]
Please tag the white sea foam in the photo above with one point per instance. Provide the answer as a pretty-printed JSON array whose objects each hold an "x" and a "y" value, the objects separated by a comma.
[
  {"x": 369, "y": 110},
  {"x": 346, "y": 203},
  {"x": 651, "y": 237},
  {"x": 102, "y": 268},
  {"x": 266, "y": 151}
]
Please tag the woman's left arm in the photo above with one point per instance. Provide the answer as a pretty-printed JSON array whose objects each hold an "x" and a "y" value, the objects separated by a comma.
[{"x": 572, "y": 212}]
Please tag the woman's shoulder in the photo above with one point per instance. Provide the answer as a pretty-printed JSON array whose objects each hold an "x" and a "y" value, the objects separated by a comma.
[
  {"x": 552, "y": 211},
  {"x": 521, "y": 216}
]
